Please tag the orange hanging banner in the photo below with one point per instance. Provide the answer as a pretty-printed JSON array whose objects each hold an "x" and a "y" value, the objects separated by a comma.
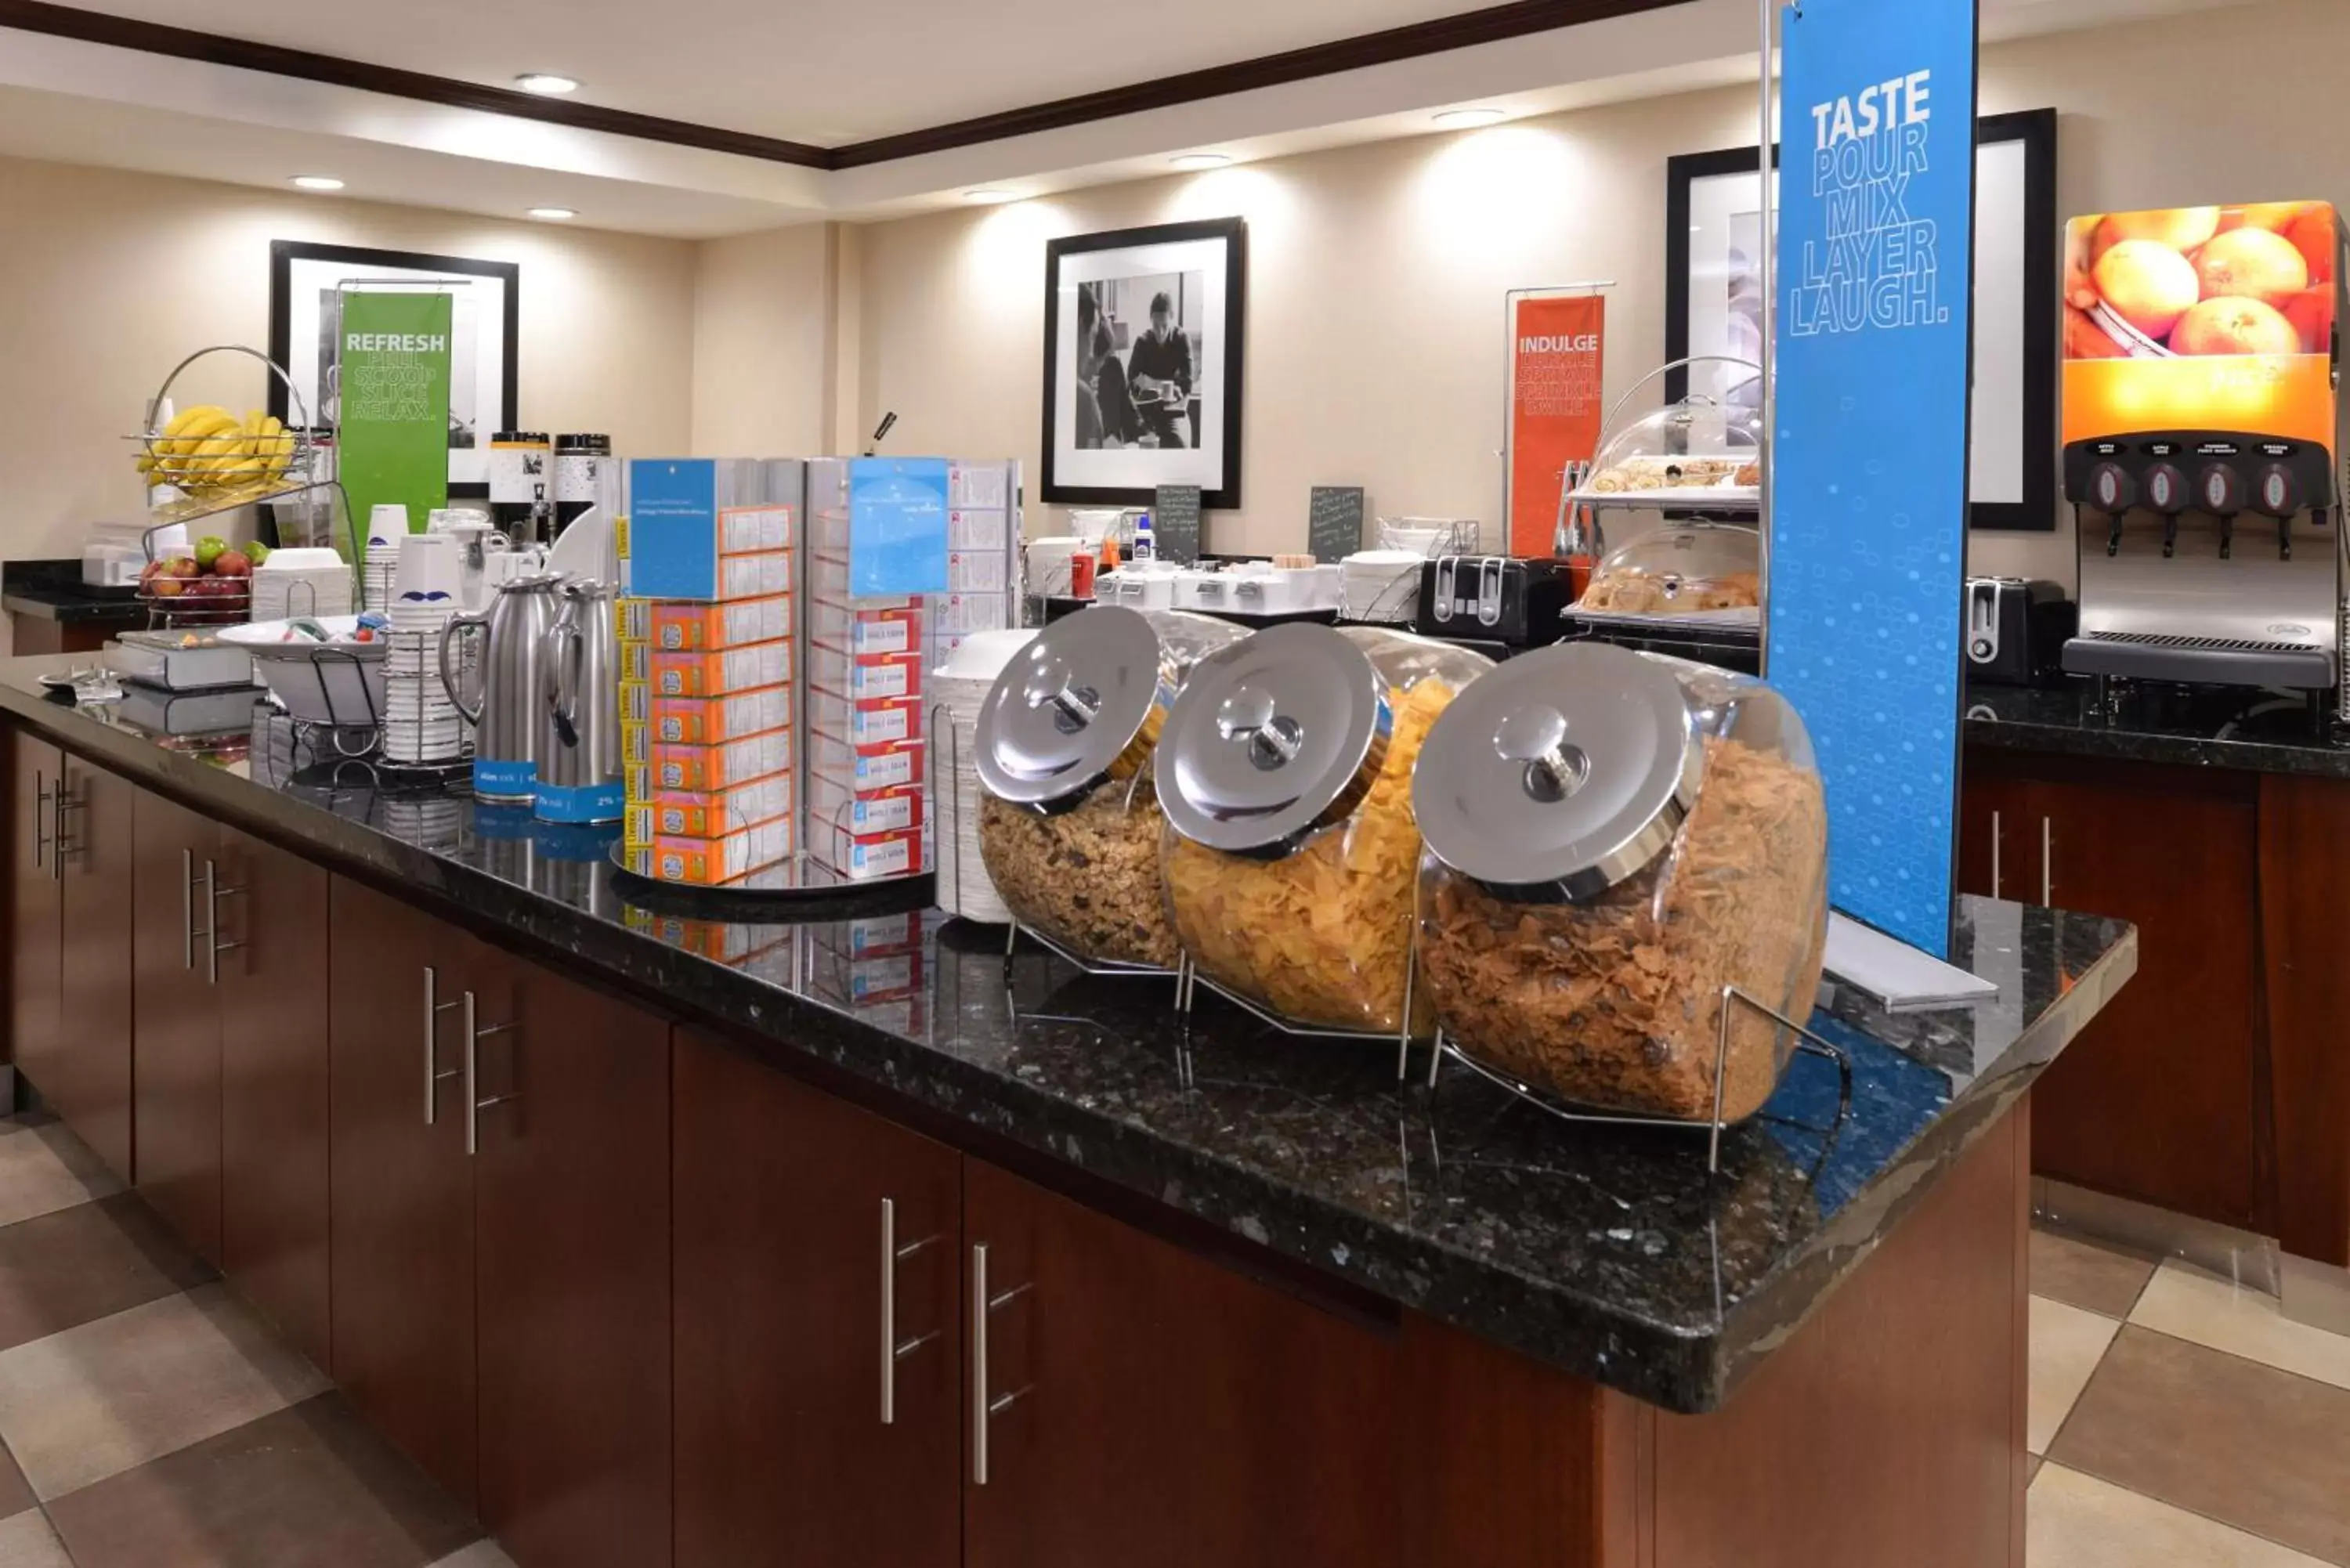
[{"x": 1555, "y": 360}]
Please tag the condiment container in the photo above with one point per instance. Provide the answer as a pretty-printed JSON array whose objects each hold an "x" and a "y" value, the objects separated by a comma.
[
  {"x": 1069, "y": 829},
  {"x": 1285, "y": 774},
  {"x": 1615, "y": 841},
  {"x": 1688, "y": 568}
]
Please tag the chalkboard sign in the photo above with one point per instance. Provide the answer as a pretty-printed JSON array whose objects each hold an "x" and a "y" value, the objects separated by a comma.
[
  {"x": 1175, "y": 524},
  {"x": 1334, "y": 520}
]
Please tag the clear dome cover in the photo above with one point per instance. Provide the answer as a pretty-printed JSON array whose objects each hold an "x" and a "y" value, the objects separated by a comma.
[
  {"x": 1694, "y": 446},
  {"x": 1680, "y": 569}
]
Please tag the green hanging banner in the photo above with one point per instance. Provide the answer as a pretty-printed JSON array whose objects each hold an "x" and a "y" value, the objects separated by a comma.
[{"x": 392, "y": 441}]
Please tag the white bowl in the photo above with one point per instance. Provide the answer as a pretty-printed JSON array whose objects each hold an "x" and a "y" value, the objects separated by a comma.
[{"x": 338, "y": 682}]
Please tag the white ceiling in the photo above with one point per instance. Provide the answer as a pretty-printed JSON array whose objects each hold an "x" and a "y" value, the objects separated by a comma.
[{"x": 823, "y": 71}]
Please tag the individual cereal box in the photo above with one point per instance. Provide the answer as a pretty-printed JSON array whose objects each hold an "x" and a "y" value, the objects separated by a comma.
[
  {"x": 968, "y": 612},
  {"x": 828, "y": 580},
  {"x": 863, "y": 856},
  {"x": 706, "y": 674},
  {"x": 700, "y": 720},
  {"x": 979, "y": 484},
  {"x": 687, "y": 522},
  {"x": 842, "y": 806},
  {"x": 974, "y": 571},
  {"x": 860, "y": 676},
  {"x": 709, "y": 862},
  {"x": 979, "y": 529},
  {"x": 864, "y": 981},
  {"x": 689, "y": 626},
  {"x": 708, "y": 768},
  {"x": 872, "y": 721},
  {"x": 873, "y": 937},
  {"x": 868, "y": 628},
  {"x": 892, "y": 764},
  {"x": 709, "y": 813}
]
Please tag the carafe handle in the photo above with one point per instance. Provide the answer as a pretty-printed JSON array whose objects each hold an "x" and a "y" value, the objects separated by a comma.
[
  {"x": 449, "y": 628},
  {"x": 570, "y": 655}
]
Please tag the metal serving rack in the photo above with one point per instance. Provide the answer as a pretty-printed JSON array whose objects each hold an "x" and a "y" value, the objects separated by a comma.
[
  {"x": 349, "y": 736},
  {"x": 1806, "y": 1044}
]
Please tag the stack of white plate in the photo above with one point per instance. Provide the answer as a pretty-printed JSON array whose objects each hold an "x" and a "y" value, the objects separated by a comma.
[
  {"x": 1430, "y": 536},
  {"x": 298, "y": 582},
  {"x": 1379, "y": 586},
  {"x": 429, "y": 822},
  {"x": 956, "y": 689}
]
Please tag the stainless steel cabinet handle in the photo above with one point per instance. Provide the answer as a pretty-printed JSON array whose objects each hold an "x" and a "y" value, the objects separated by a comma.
[
  {"x": 1994, "y": 854},
  {"x": 433, "y": 1008},
  {"x": 59, "y": 806},
  {"x": 41, "y": 797},
  {"x": 187, "y": 909},
  {"x": 474, "y": 1104},
  {"x": 893, "y": 1349},
  {"x": 2047, "y": 863},
  {"x": 984, "y": 1406},
  {"x": 213, "y": 946}
]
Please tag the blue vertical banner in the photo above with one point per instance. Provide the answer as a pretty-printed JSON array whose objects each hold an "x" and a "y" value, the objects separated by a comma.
[{"x": 1869, "y": 478}]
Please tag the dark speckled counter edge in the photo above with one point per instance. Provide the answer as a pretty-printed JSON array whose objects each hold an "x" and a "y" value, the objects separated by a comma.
[{"x": 1689, "y": 1370}]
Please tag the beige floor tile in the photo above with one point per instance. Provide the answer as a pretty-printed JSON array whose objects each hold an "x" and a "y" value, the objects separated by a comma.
[
  {"x": 2096, "y": 1276},
  {"x": 480, "y": 1554},
  {"x": 27, "y": 1542},
  {"x": 2066, "y": 1344},
  {"x": 2075, "y": 1521},
  {"x": 44, "y": 1170},
  {"x": 2187, "y": 1303},
  {"x": 93, "y": 1401}
]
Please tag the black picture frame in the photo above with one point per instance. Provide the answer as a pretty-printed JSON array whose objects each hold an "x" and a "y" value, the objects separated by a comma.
[
  {"x": 370, "y": 262},
  {"x": 1225, "y": 493},
  {"x": 2036, "y": 129}
]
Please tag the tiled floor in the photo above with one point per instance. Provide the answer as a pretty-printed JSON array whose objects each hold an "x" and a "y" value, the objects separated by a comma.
[
  {"x": 151, "y": 1421},
  {"x": 2184, "y": 1421}
]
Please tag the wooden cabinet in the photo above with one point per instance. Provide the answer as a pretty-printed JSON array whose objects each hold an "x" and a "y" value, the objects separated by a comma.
[
  {"x": 85, "y": 1072},
  {"x": 1133, "y": 1404},
  {"x": 175, "y": 1007},
  {"x": 2158, "y": 1099},
  {"x": 273, "y": 1110},
  {"x": 35, "y": 910},
  {"x": 818, "y": 1319},
  {"x": 401, "y": 1195},
  {"x": 571, "y": 1262}
]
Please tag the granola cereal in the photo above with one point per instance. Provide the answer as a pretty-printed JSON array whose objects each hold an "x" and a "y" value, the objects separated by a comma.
[
  {"x": 1089, "y": 877},
  {"x": 1616, "y": 1002}
]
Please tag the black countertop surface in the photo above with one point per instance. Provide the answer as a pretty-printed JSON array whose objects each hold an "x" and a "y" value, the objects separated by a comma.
[
  {"x": 1610, "y": 1253},
  {"x": 2205, "y": 727}
]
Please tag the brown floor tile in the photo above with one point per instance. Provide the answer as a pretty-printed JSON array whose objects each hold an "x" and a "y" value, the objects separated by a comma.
[
  {"x": 68, "y": 1267},
  {"x": 46, "y": 1168},
  {"x": 2092, "y": 1275},
  {"x": 309, "y": 1485},
  {"x": 16, "y": 1491},
  {"x": 27, "y": 1542},
  {"x": 2261, "y": 1449}
]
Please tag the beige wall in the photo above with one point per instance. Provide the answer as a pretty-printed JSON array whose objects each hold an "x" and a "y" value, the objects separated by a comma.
[
  {"x": 109, "y": 278},
  {"x": 1377, "y": 273},
  {"x": 762, "y": 330}
]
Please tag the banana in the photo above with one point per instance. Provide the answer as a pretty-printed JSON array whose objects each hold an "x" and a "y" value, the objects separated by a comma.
[
  {"x": 212, "y": 457},
  {"x": 201, "y": 426}
]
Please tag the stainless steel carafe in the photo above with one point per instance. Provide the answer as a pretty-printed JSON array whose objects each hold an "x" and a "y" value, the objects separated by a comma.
[
  {"x": 505, "y": 705},
  {"x": 579, "y": 747}
]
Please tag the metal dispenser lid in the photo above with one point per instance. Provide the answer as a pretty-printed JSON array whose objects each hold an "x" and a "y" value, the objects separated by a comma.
[
  {"x": 1271, "y": 737},
  {"x": 1069, "y": 705},
  {"x": 1558, "y": 774}
]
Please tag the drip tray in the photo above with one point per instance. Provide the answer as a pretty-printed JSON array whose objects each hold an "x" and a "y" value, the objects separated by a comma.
[{"x": 2143, "y": 657}]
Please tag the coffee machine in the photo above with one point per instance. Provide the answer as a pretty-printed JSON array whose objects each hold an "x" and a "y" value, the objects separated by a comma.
[{"x": 2203, "y": 445}]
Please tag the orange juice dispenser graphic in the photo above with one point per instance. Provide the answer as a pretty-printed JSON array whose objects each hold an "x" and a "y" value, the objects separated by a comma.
[{"x": 2203, "y": 444}]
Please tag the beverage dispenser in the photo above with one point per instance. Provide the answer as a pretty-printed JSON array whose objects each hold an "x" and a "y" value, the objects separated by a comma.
[{"x": 2203, "y": 445}]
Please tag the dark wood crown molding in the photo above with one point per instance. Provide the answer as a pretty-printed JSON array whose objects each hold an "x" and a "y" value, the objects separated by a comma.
[{"x": 1495, "y": 24}]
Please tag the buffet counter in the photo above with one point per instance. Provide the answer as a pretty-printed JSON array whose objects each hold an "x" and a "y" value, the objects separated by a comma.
[{"x": 1578, "y": 1256}]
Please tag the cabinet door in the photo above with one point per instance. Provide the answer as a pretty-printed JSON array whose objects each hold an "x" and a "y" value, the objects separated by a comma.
[
  {"x": 274, "y": 1101},
  {"x": 176, "y": 1010},
  {"x": 1163, "y": 1412},
  {"x": 1999, "y": 836},
  {"x": 35, "y": 905},
  {"x": 400, "y": 1198},
  {"x": 2156, "y": 1100},
  {"x": 818, "y": 1343},
  {"x": 572, "y": 1216},
  {"x": 89, "y": 1082}
]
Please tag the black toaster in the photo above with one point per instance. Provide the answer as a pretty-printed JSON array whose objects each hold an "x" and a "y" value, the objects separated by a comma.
[
  {"x": 1493, "y": 598},
  {"x": 2016, "y": 629}
]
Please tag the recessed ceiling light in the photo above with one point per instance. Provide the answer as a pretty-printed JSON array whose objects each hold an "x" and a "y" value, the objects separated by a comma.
[
  {"x": 556, "y": 213},
  {"x": 1457, "y": 119},
  {"x": 318, "y": 182},
  {"x": 1201, "y": 161},
  {"x": 989, "y": 194},
  {"x": 546, "y": 84}
]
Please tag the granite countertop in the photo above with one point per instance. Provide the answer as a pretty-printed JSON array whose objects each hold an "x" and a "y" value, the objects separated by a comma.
[
  {"x": 1610, "y": 1252},
  {"x": 2257, "y": 731},
  {"x": 53, "y": 590}
]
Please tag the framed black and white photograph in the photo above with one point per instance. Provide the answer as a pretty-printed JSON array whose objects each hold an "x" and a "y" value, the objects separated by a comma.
[
  {"x": 1714, "y": 302},
  {"x": 1142, "y": 363},
  {"x": 306, "y": 282}
]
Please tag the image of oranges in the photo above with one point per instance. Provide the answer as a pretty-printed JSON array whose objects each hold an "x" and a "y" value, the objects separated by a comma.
[
  {"x": 2251, "y": 264},
  {"x": 2147, "y": 284}
]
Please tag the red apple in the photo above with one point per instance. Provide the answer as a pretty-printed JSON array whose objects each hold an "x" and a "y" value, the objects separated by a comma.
[
  {"x": 183, "y": 568},
  {"x": 232, "y": 563},
  {"x": 166, "y": 586}
]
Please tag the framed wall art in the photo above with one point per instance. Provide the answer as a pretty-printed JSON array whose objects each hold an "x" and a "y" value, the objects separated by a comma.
[
  {"x": 1143, "y": 336},
  {"x": 305, "y": 280},
  {"x": 1714, "y": 301}
]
